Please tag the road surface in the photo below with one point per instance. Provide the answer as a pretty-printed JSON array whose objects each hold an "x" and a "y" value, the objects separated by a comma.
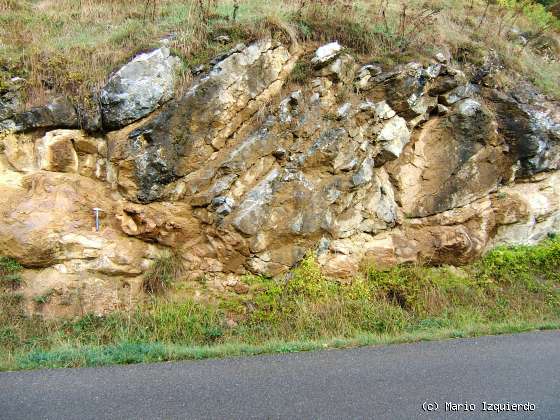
[{"x": 386, "y": 382}]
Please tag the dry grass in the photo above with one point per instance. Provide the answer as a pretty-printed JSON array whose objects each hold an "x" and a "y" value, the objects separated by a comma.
[
  {"x": 482, "y": 37},
  {"x": 163, "y": 272},
  {"x": 72, "y": 46}
]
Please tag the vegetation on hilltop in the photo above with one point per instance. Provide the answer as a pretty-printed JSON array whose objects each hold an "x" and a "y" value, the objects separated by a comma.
[
  {"x": 71, "y": 46},
  {"x": 510, "y": 289}
]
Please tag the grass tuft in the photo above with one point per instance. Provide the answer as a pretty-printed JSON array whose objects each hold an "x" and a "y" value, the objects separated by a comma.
[{"x": 167, "y": 268}]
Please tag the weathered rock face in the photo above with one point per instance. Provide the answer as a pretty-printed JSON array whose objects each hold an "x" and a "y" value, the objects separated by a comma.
[
  {"x": 244, "y": 174},
  {"x": 454, "y": 160},
  {"x": 183, "y": 138},
  {"x": 59, "y": 113},
  {"x": 532, "y": 128},
  {"x": 138, "y": 88}
]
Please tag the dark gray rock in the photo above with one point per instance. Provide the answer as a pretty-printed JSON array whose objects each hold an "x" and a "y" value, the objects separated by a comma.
[
  {"x": 442, "y": 85},
  {"x": 364, "y": 174},
  {"x": 404, "y": 89},
  {"x": 89, "y": 115},
  {"x": 531, "y": 130},
  {"x": 459, "y": 93},
  {"x": 223, "y": 205},
  {"x": 60, "y": 113}
]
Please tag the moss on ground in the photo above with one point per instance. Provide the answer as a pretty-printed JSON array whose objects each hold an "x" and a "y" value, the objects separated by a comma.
[{"x": 511, "y": 289}]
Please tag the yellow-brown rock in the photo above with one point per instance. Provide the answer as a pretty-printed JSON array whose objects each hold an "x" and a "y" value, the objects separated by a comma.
[
  {"x": 55, "y": 151},
  {"x": 245, "y": 175}
]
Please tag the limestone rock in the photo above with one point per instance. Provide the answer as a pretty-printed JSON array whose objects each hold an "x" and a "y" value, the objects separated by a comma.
[
  {"x": 440, "y": 57},
  {"x": 239, "y": 176},
  {"x": 138, "y": 88},
  {"x": 182, "y": 138},
  {"x": 167, "y": 223},
  {"x": 393, "y": 138},
  {"x": 404, "y": 89},
  {"x": 527, "y": 212},
  {"x": 364, "y": 174},
  {"x": 454, "y": 160},
  {"x": 326, "y": 53},
  {"x": 342, "y": 69},
  {"x": 20, "y": 152},
  {"x": 365, "y": 73},
  {"x": 68, "y": 295},
  {"x": 383, "y": 110},
  {"x": 251, "y": 213}
]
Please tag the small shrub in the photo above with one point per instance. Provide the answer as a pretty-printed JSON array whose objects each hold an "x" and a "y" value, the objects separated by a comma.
[
  {"x": 308, "y": 280},
  {"x": 213, "y": 333},
  {"x": 44, "y": 298},
  {"x": 531, "y": 270},
  {"x": 8, "y": 337},
  {"x": 163, "y": 272}
]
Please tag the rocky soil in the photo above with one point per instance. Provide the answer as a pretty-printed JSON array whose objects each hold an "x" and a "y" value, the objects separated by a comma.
[{"x": 247, "y": 172}]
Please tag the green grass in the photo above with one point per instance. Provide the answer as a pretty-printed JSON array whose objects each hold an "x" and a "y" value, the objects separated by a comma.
[
  {"x": 130, "y": 353},
  {"x": 10, "y": 273},
  {"x": 509, "y": 290}
]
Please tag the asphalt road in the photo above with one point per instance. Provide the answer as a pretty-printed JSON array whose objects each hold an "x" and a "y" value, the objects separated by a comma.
[{"x": 387, "y": 382}]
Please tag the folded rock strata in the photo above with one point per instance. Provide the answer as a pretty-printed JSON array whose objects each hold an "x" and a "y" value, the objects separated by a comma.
[{"x": 247, "y": 174}]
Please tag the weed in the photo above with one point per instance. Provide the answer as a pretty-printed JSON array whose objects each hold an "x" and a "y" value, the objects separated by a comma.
[
  {"x": 44, "y": 298},
  {"x": 167, "y": 268},
  {"x": 302, "y": 72},
  {"x": 10, "y": 276},
  {"x": 202, "y": 280},
  {"x": 307, "y": 280}
]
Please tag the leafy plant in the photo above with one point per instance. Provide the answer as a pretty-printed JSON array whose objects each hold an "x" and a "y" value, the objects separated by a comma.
[{"x": 510, "y": 289}]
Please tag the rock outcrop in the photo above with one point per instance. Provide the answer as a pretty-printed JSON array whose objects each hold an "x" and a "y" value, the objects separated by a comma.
[
  {"x": 138, "y": 88},
  {"x": 246, "y": 174},
  {"x": 59, "y": 113}
]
